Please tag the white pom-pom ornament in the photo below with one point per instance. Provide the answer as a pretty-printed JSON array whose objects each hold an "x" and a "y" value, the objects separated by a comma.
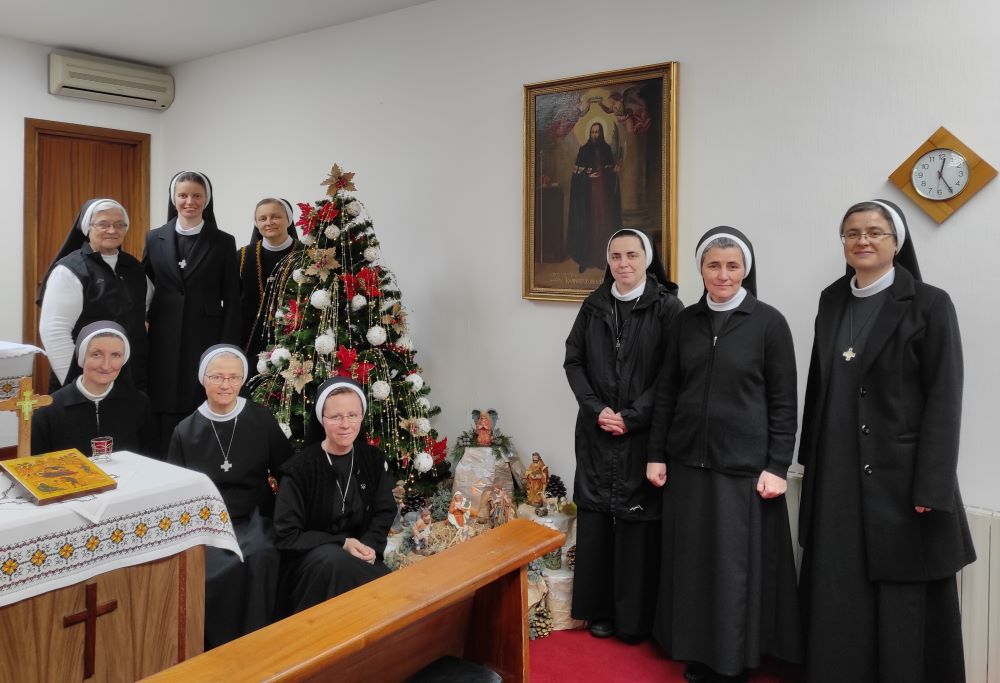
[
  {"x": 358, "y": 302},
  {"x": 376, "y": 335},
  {"x": 371, "y": 253},
  {"x": 332, "y": 231},
  {"x": 416, "y": 382},
  {"x": 320, "y": 299},
  {"x": 307, "y": 240},
  {"x": 423, "y": 462},
  {"x": 280, "y": 355},
  {"x": 423, "y": 426},
  {"x": 404, "y": 342},
  {"x": 325, "y": 344},
  {"x": 380, "y": 390},
  {"x": 424, "y": 403},
  {"x": 299, "y": 276},
  {"x": 352, "y": 208}
]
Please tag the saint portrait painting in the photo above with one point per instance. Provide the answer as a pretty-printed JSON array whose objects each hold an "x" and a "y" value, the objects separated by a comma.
[{"x": 599, "y": 156}]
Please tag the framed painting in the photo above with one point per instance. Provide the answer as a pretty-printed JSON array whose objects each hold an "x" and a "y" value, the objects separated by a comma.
[{"x": 600, "y": 153}]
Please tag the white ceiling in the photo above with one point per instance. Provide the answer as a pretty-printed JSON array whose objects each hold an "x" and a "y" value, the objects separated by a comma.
[{"x": 168, "y": 32}]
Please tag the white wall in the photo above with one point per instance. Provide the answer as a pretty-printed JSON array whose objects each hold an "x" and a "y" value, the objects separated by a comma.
[
  {"x": 789, "y": 112},
  {"x": 24, "y": 79}
]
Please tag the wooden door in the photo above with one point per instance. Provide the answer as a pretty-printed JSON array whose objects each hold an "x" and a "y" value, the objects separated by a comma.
[{"x": 64, "y": 165}]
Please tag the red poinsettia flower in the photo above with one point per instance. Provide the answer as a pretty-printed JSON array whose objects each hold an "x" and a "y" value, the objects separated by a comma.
[
  {"x": 361, "y": 370},
  {"x": 345, "y": 360},
  {"x": 294, "y": 316},
  {"x": 374, "y": 440},
  {"x": 437, "y": 449},
  {"x": 368, "y": 279},
  {"x": 350, "y": 285},
  {"x": 328, "y": 212},
  {"x": 307, "y": 221}
]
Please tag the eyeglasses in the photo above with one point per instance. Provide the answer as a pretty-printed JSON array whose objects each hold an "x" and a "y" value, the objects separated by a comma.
[
  {"x": 219, "y": 380},
  {"x": 107, "y": 226},
  {"x": 350, "y": 418},
  {"x": 872, "y": 235}
]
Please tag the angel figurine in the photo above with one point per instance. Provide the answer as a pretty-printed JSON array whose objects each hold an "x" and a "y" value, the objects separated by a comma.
[{"x": 485, "y": 421}]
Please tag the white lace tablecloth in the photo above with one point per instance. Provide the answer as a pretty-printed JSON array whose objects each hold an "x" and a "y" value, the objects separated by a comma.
[{"x": 158, "y": 510}]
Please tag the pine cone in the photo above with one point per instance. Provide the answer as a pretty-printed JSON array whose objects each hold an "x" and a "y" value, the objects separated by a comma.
[
  {"x": 555, "y": 488},
  {"x": 571, "y": 558},
  {"x": 540, "y": 624},
  {"x": 413, "y": 501}
]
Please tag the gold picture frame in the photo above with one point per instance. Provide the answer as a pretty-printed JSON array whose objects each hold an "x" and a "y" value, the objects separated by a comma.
[{"x": 600, "y": 153}]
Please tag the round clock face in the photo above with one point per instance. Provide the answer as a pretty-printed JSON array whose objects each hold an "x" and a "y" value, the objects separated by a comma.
[{"x": 940, "y": 174}]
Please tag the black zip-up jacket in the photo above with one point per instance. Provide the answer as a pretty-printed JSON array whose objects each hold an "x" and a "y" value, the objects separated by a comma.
[
  {"x": 611, "y": 470},
  {"x": 727, "y": 402}
]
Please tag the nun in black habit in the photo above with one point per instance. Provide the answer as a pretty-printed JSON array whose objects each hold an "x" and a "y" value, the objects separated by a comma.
[
  {"x": 613, "y": 354},
  {"x": 724, "y": 423},
  {"x": 96, "y": 403},
  {"x": 91, "y": 278},
  {"x": 273, "y": 239},
  {"x": 238, "y": 444},
  {"x": 881, "y": 519},
  {"x": 196, "y": 300},
  {"x": 335, "y": 503}
]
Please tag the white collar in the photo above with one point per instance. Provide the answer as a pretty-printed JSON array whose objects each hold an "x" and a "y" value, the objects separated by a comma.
[
  {"x": 111, "y": 260},
  {"x": 188, "y": 232},
  {"x": 210, "y": 414},
  {"x": 631, "y": 295},
  {"x": 90, "y": 396},
  {"x": 730, "y": 305},
  {"x": 880, "y": 285},
  {"x": 281, "y": 247}
]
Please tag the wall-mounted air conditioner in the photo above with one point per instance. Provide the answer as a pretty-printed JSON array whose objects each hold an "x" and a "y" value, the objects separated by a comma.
[{"x": 108, "y": 80}]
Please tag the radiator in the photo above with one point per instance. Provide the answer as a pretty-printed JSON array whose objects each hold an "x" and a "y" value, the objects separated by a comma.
[{"x": 978, "y": 588}]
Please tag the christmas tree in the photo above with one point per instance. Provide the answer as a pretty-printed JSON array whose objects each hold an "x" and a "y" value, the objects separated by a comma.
[{"x": 337, "y": 311}]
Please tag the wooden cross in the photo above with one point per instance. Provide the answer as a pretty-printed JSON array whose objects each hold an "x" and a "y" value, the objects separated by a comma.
[
  {"x": 25, "y": 401},
  {"x": 89, "y": 617}
]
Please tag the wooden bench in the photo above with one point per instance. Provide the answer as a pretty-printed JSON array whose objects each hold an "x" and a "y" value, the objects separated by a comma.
[{"x": 469, "y": 601}]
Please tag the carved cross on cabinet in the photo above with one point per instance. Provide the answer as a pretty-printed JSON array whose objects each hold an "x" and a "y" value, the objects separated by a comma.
[{"x": 89, "y": 617}]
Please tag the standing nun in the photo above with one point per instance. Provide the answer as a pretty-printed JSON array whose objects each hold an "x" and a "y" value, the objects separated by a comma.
[
  {"x": 613, "y": 354},
  {"x": 725, "y": 420},
  {"x": 92, "y": 278},
  {"x": 239, "y": 445},
  {"x": 273, "y": 239},
  {"x": 195, "y": 304},
  {"x": 881, "y": 519}
]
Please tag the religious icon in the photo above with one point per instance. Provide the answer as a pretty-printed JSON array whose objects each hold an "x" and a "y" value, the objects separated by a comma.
[{"x": 536, "y": 478}]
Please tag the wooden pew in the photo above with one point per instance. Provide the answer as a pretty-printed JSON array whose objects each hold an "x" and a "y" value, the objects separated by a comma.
[{"x": 469, "y": 601}]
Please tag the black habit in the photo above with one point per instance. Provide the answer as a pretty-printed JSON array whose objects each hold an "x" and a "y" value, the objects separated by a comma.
[
  {"x": 880, "y": 436},
  {"x": 73, "y": 420},
  {"x": 595, "y": 210},
  {"x": 313, "y": 519},
  {"x": 258, "y": 284},
  {"x": 239, "y": 597},
  {"x": 193, "y": 308},
  {"x": 619, "y": 510}
]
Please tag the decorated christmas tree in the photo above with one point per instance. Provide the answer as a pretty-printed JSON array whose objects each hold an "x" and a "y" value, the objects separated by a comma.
[{"x": 337, "y": 311}]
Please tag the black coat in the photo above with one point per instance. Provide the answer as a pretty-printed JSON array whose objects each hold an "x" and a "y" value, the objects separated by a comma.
[
  {"x": 611, "y": 470},
  {"x": 73, "y": 420},
  {"x": 728, "y": 402},
  {"x": 909, "y": 417},
  {"x": 192, "y": 309}
]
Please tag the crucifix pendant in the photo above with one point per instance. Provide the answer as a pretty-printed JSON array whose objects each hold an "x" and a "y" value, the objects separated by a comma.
[
  {"x": 182, "y": 263},
  {"x": 849, "y": 354},
  {"x": 226, "y": 466}
]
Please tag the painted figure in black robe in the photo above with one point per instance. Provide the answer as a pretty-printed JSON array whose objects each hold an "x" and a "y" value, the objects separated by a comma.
[
  {"x": 96, "y": 403},
  {"x": 881, "y": 519},
  {"x": 91, "y": 278},
  {"x": 722, "y": 438},
  {"x": 195, "y": 303},
  {"x": 238, "y": 444},
  {"x": 613, "y": 354},
  {"x": 335, "y": 503},
  {"x": 595, "y": 209},
  {"x": 272, "y": 240}
]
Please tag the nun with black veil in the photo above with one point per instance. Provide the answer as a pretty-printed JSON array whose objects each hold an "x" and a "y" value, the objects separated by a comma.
[
  {"x": 335, "y": 503},
  {"x": 238, "y": 444},
  {"x": 196, "y": 300},
  {"x": 613, "y": 354},
  {"x": 881, "y": 518},
  {"x": 273, "y": 239},
  {"x": 721, "y": 442},
  {"x": 92, "y": 278}
]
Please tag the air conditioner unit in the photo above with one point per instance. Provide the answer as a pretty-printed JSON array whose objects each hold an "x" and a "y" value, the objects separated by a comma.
[{"x": 108, "y": 80}]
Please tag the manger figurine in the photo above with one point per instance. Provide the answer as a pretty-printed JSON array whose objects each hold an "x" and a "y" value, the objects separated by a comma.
[
  {"x": 422, "y": 533},
  {"x": 501, "y": 507},
  {"x": 458, "y": 515}
]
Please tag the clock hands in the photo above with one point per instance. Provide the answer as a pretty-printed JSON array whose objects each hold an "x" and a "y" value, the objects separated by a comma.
[{"x": 941, "y": 178}]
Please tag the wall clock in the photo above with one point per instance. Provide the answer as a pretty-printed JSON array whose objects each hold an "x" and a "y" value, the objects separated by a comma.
[{"x": 942, "y": 174}]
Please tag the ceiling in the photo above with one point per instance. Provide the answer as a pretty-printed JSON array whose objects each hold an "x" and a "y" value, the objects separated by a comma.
[{"x": 165, "y": 33}]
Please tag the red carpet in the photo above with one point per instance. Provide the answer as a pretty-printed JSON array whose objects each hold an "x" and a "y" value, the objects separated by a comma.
[{"x": 579, "y": 657}]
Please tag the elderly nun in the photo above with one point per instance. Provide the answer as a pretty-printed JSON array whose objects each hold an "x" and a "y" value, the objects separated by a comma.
[
  {"x": 240, "y": 446},
  {"x": 335, "y": 503},
  {"x": 881, "y": 519},
  {"x": 96, "y": 404},
  {"x": 613, "y": 354},
  {"x": 91, "y": 278},
  {"x": 721, "y": 442}
]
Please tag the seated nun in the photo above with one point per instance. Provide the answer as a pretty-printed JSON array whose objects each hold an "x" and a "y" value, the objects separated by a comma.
[
  {"x": 238, "y": 444},
  {"x": 335, "y": 503},
  {"x": 94, "y": 404}
]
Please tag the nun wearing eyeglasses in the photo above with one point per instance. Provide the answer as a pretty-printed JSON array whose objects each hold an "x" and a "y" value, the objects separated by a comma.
[
  {"x": 96, "y": 404},
  {"x": 881, "y": 519},
  {"x": 335, "y": 503},
  {"x": 721, "y": 442},
  {"x": 92, "y": 278},
  {"x": 613, "y": 354},
  {"x": 273, "y": 239},
  {"x": 240, "y": 446}
]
